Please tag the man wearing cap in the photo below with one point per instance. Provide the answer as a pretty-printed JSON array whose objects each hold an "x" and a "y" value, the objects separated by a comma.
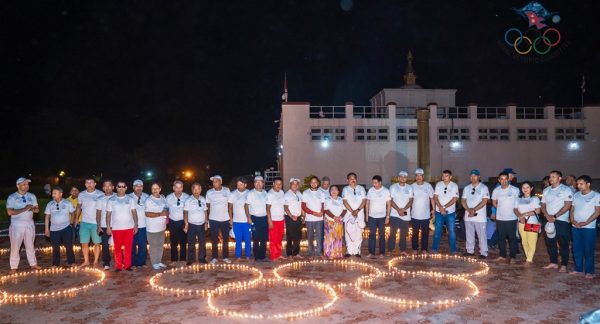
[
  {"x": 293, "y": 219},
  {"x": 474, "y": 200},
  {"x": 402, "y": 198},
  {"x": 256, "y": 210},
  {"x": 122, "y": 224},
  {"x": 195, "y": 224},
  {"x": 556, "y": 203},
  {"x": 504, "y": 198},
  {"x": 101, "y": 208},
  {"x": 218, "y": 217},
  {"x": 421, "y": 211},
  {"x": 86, "y": 214},
  {"x": 175, "y": 202},
  {"x": 138, "y": 249},
  {"x": 324, "y": 188},
  {"x": 445, "y": 196},
  {"x": 242, "y": 228},
  {"x": 20, "y": 207},
  {"x": 58, "y": 220},
  {"x": 275, "y": 217},
  {"x": 354, "y": 197}
]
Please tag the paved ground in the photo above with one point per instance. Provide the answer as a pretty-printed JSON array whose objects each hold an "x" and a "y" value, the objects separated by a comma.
[{"x": 509, "y": 294}]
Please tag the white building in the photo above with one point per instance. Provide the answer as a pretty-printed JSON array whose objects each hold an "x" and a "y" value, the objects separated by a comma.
[{"x": 382, "y": 138}]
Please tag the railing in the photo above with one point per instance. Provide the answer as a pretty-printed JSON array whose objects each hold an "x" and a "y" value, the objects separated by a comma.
[
  {"x": 327, "y": 112},
  {"x": 370, "y": 112}
]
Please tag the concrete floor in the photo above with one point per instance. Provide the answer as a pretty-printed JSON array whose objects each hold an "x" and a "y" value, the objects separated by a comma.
[{"x": 509, "y": 294}]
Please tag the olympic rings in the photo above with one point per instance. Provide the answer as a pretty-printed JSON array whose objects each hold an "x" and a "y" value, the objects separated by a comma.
[
  {"x": 532, "y": 40},
  {"x": 506, "y": 36},
  {"x": 525, "y": 52},
  {"x": 557, "y": 33},
  {"x": 544, "y": 38}
]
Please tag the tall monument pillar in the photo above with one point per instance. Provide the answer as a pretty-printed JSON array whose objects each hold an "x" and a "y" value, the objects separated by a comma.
[{"x": 423, "y": 160}]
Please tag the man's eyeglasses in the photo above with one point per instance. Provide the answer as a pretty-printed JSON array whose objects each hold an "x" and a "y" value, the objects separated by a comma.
[
  {"x": 473, "y": 191},
  {"x": 24, "y": 200},
  {"x": 445, "y": 190},
  {"x": 354, "y": 189},
  {"x": 57, "y": 207},
  {"x": 139, "y": 199},
  {"x": 121, "y": 187},
  {"x": 199, "y": 203},
  {"x": 178, "y": 201}
]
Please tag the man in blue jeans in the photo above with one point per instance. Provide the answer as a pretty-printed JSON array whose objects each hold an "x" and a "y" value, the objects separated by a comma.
[
  {"x": 585, "y": 211},
  {"x": 138, "y": 249},
  {"x": 377, "y": 214},
  {"x": 242, "y": 224},
  {"x": 256, "y": 209},
  {"x": 445, "y": 196}
]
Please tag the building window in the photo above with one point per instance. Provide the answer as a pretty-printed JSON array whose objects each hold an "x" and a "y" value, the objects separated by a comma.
[
  {"x": 494, "y": 134},
  {"x": 453, "y": 112},
  {"x": 327, "y": 134},
  {"x": 532, "y": 134},
  {"x": 406, "y": 134},
  {"x": 567, "y": 134},
  {"x": 568, "y": 113},
  {"x": 406, "y": 112},
  {"x": 492, "y": 113},
  {"x": 530, "y": 113},
  {"x": 371, "y": 134},
  {"x": 454, "y": 134},
  {"x": 327, "y": 112},
  {"x": 370, "y": 112}
]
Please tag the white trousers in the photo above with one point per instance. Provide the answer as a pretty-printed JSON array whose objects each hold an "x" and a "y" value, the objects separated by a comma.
[
  {"x": 353, "y": 234},
  {"x": 472, "y": 228},
  {"x": 21, "y": 234}
]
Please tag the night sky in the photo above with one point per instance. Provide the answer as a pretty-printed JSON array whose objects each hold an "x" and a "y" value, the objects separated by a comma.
[{"x": 117, "y": 87}]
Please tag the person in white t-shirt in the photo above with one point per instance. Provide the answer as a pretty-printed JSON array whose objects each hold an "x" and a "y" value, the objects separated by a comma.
[
  {"x": 140, "y": 239},
  {"x": 101, "y": 206},
  {"x": 86, "y": 214},
  {"x": 256, "y": 210},
  {"x": 276, "y": 219},
  {"x": 527, "y": 209},
  {"x": 474, "y": 200},
  {"x": 293, "y": 219},
  {"x": 324, "y": 188},
  {"x": 354, "y": 197},
  {"x": 157, "y": 212},
  {"x": 195, "y": 224},
  {"x": 377, "y": 214},
  {"x": 503, "y": 199},
  {"x": 584, "y": 212},
  {"x": 242, "y": 225},
  {"x": 122, "y": 224},
  {"x": 178, "y": 238},
  {"x": 20, "y": 207},
  {"x": 402, "y": 198},
  {"x": 313, "y": 202},
  {"x": 421, "y": 211},
  {"x": 556, "y": 203},
  {"x": 218, "y": 218},
  {"x": 59, "y": 217},
  {"x": 445, "y": 196}
]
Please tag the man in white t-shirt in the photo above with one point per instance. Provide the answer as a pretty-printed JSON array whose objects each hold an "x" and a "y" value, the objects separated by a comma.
[
  {"x": 503, "y": 199},
  {"x": 58, "y": 220},
  {"x": 88, "y": 228},
  {"x": 256, "y": 210},
  {"x": 585, "y": 211},
  {"x": 293, "y": 219},
  {"x": 421, "y": 211},
  {"x": 556, "y": 203},
  {"x": 218, "y": 218},
  {"x": 402, "y": 198},
  {"x": 122, "y": 224},
  {"x": 377, "y": 214},
  {"x": 276, "y": 218},
  {"x": 354, "y": 197},
  {"x": 140, "y": 239},
  {"x": 178, "y": 238},
  {"x": 313, "y": 202},
  {"x": 195, "y": 224},
  {"x": 474, "y": 200},
  {"x": 20, "y": 207},
  {"x": 445, "y": 196},
  {"x": 324, "y": 188},
  {"x": 242, "y": 225},
  {"x": 101, "y": 207}
]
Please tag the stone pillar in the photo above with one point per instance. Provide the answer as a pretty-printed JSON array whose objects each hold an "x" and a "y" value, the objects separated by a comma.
[{"x": 423, "y": 141}]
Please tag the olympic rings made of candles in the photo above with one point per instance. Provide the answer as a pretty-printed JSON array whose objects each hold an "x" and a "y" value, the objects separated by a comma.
[
  {"x": 484, "y": 268},
  {"x": 296, "y": 264}
]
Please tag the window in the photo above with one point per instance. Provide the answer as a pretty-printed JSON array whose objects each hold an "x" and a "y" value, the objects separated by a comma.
[
  {"x": 532, "y": 134},
  {"x": 453, "y": 112},
  {"x": 455, "y": 134},
  {"x": 566, "y": 134},
  {"x": 406, "y": 134},
  {"x": 494, "y": 134},
  {"x": 371, "y": 134},
  {"x": 371, "y": 112},
  {"x": 406, "y": 112},
  {"x": 492, "y": 113},
  {"x": 327, "y": 112},
  {"x": 530, "y": 113},
  {"x": 568, "y": 113},
  {"x": 327, "y": 134}
]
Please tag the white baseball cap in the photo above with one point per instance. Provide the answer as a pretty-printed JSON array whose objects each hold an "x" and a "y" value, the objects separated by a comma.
[
  {"x": 259, "y": 178},
  {"x": 550, "y": 230},
  {"x": 419, "y": 171},
  {"x": 216, "y": 177},
  {"x": 21, "y": 180},
  {"x": 403, "y": 174},
  {"x": 138, "y": 182},
  {"x": 294, "y": 179}
]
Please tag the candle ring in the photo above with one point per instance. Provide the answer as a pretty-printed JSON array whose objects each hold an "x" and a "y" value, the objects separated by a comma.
[
  {"x": 484, "y": 268},
  {"x": 298, "y": 264}
]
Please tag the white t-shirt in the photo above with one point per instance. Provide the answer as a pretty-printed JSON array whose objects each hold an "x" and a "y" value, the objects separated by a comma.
[
  {"x": 585, "y": 206},
  {"x": 325, "y": 192},
  {"x": 219, "y": 206},
  {"x": 16, "y": 201},
  {"x": 313, "y": 201},
  {"x": 473, "y": 198},
  {"x": 401, "y": 195},
  {"x": 505, "y": 202},
  {"x": 60, "y": 214},
  {"x": 257, "y": 203},
  {"x": 140, "y": 208},
  {"x": 238, "y": 200},
  {"x": 555, "y": 198},
  {"x": 102, "y": 205},
  {"x": 87, "y": 202},
  {"x": 525, "y": 205},
  {"x": 176, "y": 205},
  {"x": 335, "y": 206},
  {"x": 276, "y": 200},
  {"x": 445, "y": 195},
  {"x": 421, "y": 207},
  {"x": 121, "y": 209},
  {"x": 378, "y": 199},
  {"x": 196, "y": 209},
  {"x": 294, "y": 202},
  {"x": 354, "y": 197},
  {"x": 156, "y": 205}
]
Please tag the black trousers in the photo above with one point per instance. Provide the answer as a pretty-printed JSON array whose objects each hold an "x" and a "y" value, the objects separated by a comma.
[
  {"x": 215, "y": 228},
  {"x": 196, "y": 231},
  {"x": 507, "y": 230},
  {"x": 376, "y": 224},
  {"x": 178, "y": 238},
  {"x": 562, "y": 239},
  {"x": 293, "y": 235},
  {"x": 423, "y": 225},
  {"x": 260, "y": 236},
  {"x": 105, "y": 248},
  {"x": 65, "y": 237}
]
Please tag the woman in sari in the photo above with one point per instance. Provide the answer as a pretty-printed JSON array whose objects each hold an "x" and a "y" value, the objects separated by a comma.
[{"x": 334, "y": 226}]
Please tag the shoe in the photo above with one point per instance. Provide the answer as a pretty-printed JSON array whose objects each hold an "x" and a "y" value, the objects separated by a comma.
[
  {"x": 156, "y": 267},
  {"x": 483, "y": 257},
  {"x": 226, "y": 260},
  {"x": 107, "y": 268},
  {"x": 162, "y": 265},
  {"x": 214, "y": 261},
  {"x": 467, "y": 254}
]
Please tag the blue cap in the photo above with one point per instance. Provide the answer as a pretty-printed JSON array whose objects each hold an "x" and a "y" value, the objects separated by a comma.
[
  {"x": 138, "y": 182},
  {"x": 475, "y": 172},
  {"x": 509, "y": 170}
]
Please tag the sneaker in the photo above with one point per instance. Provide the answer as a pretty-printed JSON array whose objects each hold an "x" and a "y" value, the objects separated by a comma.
[
  {"x": 226, "y": 260},
  {"x": 106, "y": 268},
  {"x": 162, "y": 265},
  {"x": 214, "y": 261},
  {"x": 156, "y": 266}
]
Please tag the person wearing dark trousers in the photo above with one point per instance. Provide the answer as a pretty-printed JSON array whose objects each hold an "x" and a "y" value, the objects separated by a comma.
[
  {"x": 195, "y": 225},
  {"x": 256, "y": 209},
  {"x": 585, "y": 211},
  {"x": 140, "y": 239},
  {"x": 445, "y": 197},
  {"x": 101, "y": 205},
  {"x": 421, "y": 211},
  {"x": 58, "y": 220},
  {"x": 313, "y": 204},
  {"x": 556, "y": 203},
  {"x": 503, "y": 199},
  {"x": 377, "y": 214},
  {"x": 178, "y": 238},
  {"x": 217, "y": 202},
  {"x": 293, "y": 219},
  {"x": 402, "y": 198}
]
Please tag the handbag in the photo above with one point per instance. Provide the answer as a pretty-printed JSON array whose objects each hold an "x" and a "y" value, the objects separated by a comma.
[{"x": 536, "y": 228}]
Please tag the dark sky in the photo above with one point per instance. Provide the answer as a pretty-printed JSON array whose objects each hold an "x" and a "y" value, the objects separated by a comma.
[{"x": 123, "y": 86}]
